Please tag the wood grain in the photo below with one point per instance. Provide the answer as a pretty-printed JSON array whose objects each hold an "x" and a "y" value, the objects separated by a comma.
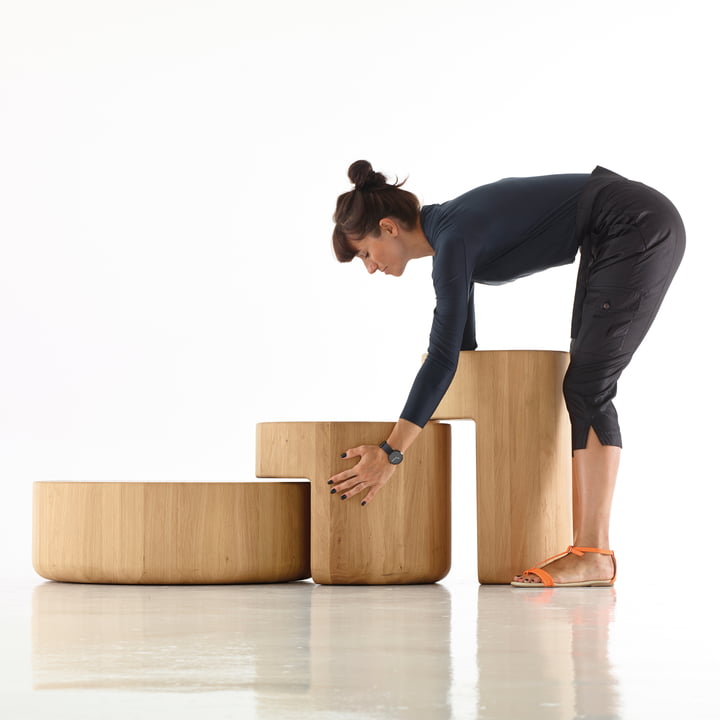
[
  {"x": 171, "y": 533},
  {"x": 403, "y": 536},
  {"x": 523, "y": 455}
]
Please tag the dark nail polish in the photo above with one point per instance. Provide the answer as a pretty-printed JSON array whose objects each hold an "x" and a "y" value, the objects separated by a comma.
[
  {"x": 333, "y": 491},
  {"x": 342, "y": 497},
  {"x": 363, "y": 502},
  {"x": 329, "y": 482},
  {"x": 344, "y": 455}
]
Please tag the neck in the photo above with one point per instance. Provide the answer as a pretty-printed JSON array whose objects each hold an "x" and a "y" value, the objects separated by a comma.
[{"x": 417, "y": 243}]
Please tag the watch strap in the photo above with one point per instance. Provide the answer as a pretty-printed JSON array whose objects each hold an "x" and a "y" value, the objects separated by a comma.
[{"x": 384, "y": 446}]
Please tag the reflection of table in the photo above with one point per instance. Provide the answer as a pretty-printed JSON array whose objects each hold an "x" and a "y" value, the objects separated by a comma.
[
  {"x": 523, "y": 455},
  {"x": 172, "y": 639},
  {"x": 171, "y": 533},
  {"x": 403, "y": 536},
  {"x": 282, "y": 650}
]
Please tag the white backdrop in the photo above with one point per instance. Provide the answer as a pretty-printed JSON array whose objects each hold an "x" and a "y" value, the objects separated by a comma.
[{"x": 168, "y": 173}]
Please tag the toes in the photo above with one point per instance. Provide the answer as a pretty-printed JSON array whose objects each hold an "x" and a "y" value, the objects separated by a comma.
[{"x": 531, "y": 579}]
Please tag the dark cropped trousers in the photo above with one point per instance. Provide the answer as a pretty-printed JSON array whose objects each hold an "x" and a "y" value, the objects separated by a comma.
[{"x": 632, "y": 240}]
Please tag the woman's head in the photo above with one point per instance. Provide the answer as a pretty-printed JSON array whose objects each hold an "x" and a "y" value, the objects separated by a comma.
[{"x": 358, "y": 212}]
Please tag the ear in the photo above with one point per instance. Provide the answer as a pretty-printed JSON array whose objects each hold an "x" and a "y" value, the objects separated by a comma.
[{"x": 390, "y": 226}]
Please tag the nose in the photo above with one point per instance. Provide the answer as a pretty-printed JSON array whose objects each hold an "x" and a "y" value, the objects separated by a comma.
[{"x": 370, "y": 265}]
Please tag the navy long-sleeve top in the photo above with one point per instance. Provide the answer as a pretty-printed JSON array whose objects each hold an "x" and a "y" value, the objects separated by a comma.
[{"x": 491, "y": 235}]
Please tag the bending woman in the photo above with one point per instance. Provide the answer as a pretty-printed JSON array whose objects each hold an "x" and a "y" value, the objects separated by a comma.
[{"x": 631, "y": 238}]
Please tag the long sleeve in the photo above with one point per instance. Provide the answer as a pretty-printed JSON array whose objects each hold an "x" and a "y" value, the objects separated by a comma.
[{"x": 452, "y": 330}]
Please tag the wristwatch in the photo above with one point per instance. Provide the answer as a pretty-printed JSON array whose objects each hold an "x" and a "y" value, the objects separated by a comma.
[{"x": 394, "y": 456}]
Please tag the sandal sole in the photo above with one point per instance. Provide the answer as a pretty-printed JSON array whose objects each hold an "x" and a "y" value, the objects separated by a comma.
[{"x": 588, "y": 583}]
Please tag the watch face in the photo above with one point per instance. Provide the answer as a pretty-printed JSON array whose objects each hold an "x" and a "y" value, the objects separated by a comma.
[{"x": 395, "y": 457}]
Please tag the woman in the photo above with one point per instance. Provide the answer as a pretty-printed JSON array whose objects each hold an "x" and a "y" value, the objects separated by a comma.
[{"x": 632, "y": 239}]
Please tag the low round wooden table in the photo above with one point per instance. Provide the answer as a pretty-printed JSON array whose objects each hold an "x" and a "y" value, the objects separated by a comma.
[{"x": 171, "y": 533}]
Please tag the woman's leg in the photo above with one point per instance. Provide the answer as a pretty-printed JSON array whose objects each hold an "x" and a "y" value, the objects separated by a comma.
[
  {"x": 640, "y": 240},
  {"x": 594, "y": 471}
]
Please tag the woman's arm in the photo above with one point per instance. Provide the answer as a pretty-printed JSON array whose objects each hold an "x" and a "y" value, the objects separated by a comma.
[
  {"x": 374, "y": 469},
  {"x": 469, "y": 342},
  {"x": 403, "y": 435},
  {"x": 452, "y": 330}
]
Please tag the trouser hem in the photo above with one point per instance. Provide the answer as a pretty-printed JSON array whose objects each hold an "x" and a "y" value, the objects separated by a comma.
[{"x": 606, "y": 437}]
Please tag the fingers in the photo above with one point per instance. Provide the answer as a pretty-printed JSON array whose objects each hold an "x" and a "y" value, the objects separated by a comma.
[
  {"x": 352, "y": 491},
  {"x": 371, "y": 494},
  {"x": 342, "y": 477},
  {"x": 347, "y": 474},
  {"x": 368, "y": 475}
]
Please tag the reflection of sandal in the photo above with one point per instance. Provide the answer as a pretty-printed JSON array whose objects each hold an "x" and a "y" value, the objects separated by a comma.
[{"x": 547, "y": 581}]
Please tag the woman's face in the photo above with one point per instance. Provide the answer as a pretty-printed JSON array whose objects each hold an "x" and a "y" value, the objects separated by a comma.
[{"x": 384, "y": 252}]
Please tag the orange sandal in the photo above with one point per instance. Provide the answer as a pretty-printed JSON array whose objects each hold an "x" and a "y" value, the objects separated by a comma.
[{"x": 547, "y": 581}]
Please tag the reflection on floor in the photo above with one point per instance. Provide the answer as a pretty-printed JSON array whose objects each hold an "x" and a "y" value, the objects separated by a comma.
[{"x": 301, "y": 650}]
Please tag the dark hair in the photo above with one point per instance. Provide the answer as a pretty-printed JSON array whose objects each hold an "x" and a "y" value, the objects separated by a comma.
[{"x": 358, "y": 212}]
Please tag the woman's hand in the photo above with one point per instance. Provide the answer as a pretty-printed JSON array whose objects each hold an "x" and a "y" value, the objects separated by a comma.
[{"x": 372, "y": 472}]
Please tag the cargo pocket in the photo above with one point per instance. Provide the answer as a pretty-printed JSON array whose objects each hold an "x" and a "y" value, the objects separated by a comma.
[{"x": 608, "y": 314}]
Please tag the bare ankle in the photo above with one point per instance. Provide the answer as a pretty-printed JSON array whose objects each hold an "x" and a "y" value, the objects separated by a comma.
[{"x": 601, "y": 542}]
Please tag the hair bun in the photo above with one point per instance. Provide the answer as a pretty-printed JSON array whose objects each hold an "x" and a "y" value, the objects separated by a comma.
[{"x": 364, "y": 177}]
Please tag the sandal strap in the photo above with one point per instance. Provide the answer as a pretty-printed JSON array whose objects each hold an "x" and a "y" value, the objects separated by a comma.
[
  {"x": 544, "y": 576},
  {"x": 580, "y": 551},
  {"x": 556, "y": 557}
]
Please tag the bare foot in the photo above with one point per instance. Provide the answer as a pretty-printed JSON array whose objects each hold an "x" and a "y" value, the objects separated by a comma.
[{"x": 572, "y": 568}]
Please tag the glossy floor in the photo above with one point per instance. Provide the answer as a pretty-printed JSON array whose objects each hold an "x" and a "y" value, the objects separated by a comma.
[{"x": 307, "y": 651}]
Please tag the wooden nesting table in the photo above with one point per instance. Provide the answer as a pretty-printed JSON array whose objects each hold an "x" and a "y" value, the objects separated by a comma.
[{"x": 270, "y": 531}]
